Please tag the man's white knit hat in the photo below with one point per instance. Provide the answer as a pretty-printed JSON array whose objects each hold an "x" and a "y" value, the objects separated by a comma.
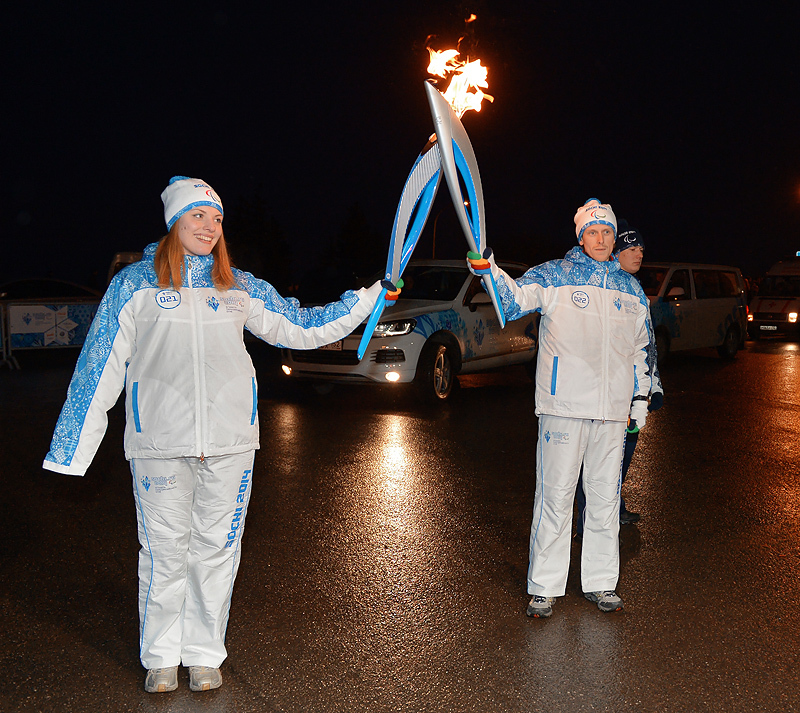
[
  {"x": 592, "y": 212},
  {"x": 183, "y": 194}
]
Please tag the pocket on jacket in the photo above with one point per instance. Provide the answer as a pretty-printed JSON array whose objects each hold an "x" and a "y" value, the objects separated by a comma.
[
  {"x": 554, "y": 376},
  {"x": 254, "y": 412},
  {"x": 137, "y": 422}
]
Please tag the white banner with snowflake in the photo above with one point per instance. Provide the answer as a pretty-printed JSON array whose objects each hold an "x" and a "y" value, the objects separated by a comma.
[{"x": 32, "y": 326}]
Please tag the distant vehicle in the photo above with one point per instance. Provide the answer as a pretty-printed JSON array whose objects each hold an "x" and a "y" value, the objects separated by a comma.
[
  {"x": 121, "y": 260},
  {"x": 442, "y": 325},
  {"x": 42, "y": 288},
  {"x": 774, "y": 311},
  {"x": 696, "y": 306}
]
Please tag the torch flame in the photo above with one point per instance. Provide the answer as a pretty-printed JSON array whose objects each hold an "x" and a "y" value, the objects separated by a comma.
[{"x": 464, "y": 91}]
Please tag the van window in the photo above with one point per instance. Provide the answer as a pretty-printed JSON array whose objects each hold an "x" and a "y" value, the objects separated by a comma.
[
  {"x": 713, "y": 284},
  {"x": 729, "y": 285},
  {"x": 679, "y": 279},
  {"x": 651, "y": 279},
  {"x": 706, "y": 284}
]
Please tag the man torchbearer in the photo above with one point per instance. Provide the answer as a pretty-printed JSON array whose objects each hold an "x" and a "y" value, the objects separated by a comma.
[
  {"x": 591, "y": 378},
  {"x": 629, "y": 250}
]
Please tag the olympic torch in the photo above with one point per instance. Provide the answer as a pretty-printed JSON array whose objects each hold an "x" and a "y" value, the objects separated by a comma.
[
  {"x": 449, "y": 153},
  {"x": 458, "y": 159},
  {"x": 418, "y": 193}
]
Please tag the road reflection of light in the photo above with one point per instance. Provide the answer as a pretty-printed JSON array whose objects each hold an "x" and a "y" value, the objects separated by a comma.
[
  {"x": 384, "y": 539},
  {"x": 287, "y": 437},
  {"x": 284, "y": 418},
  {"x": 395, "y": 476},
  {"x": 393, "y": 458}
]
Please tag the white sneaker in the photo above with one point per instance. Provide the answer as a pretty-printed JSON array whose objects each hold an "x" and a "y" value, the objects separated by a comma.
[
  {"x": 540, "y": 607},
  {"x": 606, "y": 601},
  {"x": 161, "y": 680},
  {"x": 204, "y": 678}
]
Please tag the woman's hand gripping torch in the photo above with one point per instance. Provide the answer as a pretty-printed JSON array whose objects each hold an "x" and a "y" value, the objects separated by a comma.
[{"x": 415, "y": 202}]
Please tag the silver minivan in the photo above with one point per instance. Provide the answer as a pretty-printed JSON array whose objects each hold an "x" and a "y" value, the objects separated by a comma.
[{"x": 696, "y": 306}]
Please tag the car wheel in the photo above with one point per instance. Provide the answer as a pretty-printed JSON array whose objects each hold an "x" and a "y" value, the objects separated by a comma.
[
  {"x": 662, "y": 346},
  {"x": 730, "y": 345},
  {"x": 436, "y": 372}
]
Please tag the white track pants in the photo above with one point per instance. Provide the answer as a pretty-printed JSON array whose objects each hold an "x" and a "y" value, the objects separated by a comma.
[
  {"x": 565, "y": 443},
  {"x": 191, "y": 519}
]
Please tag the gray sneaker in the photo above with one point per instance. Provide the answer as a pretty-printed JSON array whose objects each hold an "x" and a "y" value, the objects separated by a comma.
[
  {"x": 161, "y": 680},
  {"x": 540, "y": 607},
  {"x": 606, "y": 601},
  {"x": 204, "y": 678}
]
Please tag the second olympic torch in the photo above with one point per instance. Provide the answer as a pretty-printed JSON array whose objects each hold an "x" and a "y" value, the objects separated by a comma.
[
  {"x": 458, "y": 159},
  {"x": 449, "y": 153}
]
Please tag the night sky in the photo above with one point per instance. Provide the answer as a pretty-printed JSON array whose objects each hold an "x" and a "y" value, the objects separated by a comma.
[{"x": 684, "y": 116}]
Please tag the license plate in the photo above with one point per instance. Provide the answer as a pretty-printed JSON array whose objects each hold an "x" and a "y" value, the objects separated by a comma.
[
  {"x": 768, "y": 328},
  {"x": 335, "y": 346}
]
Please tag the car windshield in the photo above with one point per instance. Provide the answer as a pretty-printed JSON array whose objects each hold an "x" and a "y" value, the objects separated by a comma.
[
  {"x": 651, "y": 279},
  {"x": 780, "y": 286},
  {"x": 429, "y": 282}
]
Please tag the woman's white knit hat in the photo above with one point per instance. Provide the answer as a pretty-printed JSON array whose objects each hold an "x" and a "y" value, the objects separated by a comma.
[{"x": 183, "y": 194}]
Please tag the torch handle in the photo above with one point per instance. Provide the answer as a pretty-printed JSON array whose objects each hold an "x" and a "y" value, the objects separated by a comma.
[{"x": 377, "y": 311}]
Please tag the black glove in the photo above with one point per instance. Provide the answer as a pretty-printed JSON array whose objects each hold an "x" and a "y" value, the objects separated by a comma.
[
  {"x": 656, "y": 401},
  {"x": 392, "y": 291}
]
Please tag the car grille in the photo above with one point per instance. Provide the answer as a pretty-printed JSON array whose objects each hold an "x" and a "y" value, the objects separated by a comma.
[
  {"x": 388, "y": 356},
  {"x": 771, "y": 317},
  {"x": 345, "y": 357}
]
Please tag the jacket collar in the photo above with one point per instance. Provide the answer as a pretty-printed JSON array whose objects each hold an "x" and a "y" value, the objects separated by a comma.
[{"x": 197, "y": 265}]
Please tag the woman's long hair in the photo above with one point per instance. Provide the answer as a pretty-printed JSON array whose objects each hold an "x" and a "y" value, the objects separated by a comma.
[{"x": 169, "y": 262}]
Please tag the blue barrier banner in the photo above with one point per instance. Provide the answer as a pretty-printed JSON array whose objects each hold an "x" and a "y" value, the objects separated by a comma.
[{"x": 34, "y": 325}]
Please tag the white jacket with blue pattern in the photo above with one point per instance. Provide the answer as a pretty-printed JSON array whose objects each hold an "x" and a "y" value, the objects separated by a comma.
[
  {"x": 190, "y": 384},
  {"x": 593, "y": 335}
]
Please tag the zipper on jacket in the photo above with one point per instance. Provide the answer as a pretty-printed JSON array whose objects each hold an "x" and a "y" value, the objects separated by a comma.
[
  {"x": 199, "y": 418},
  {"x": 604, "y": 394}
]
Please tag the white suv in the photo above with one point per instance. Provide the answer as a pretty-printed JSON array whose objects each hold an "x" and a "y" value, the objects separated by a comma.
[{"x": 443, "y": 324}]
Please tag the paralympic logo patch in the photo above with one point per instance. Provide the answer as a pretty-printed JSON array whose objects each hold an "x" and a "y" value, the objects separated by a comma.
[
  {"x": 159, "y": 483},
  {"x": 558, "y": 437},
  {"x": 581, "y": 299},
  {"x": 168, "y": 299},
  {"x": 212, "y": 302}
]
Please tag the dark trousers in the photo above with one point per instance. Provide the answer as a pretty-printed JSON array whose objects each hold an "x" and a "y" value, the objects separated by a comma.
[{"x": 580, "y": 496}]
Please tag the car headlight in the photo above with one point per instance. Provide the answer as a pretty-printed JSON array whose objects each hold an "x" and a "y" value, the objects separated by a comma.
[
  {"x": 395, "y": 329},
  {"x": 792, "y": 316}
]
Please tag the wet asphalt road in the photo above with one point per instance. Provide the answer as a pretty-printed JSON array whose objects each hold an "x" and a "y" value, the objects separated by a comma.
[{"x": 386, "y": 550}]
